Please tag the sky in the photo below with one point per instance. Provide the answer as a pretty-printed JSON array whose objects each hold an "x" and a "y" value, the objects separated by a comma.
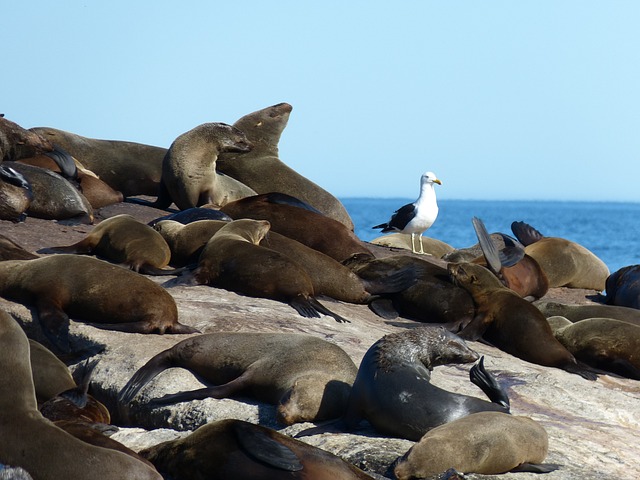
[{"x": 531, "y": 100}]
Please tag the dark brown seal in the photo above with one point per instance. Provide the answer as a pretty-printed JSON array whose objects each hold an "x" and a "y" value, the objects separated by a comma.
[
  {"x": 312, "y": 229},
  {"x": 234, "y": 260},
  {"x": 509, "y": 322},
  {"x": 489, "y": 443},
  {"x": 244, "y": 451},
  {"x": 123, "y": 239},
  {"x": 17, "y": 142},
  {"x": 393, "y": 390},
  {"x": 262, "y": 170},
  {"x": 623, "y": 287},
  {"x": 90, "y": 290},
  {"x": 307, "y": 377},
  {"x": 16, "y": 195},
  {"x": 32, "y": 442}
]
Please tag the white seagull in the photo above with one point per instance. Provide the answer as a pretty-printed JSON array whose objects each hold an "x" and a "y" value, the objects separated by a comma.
[{"x": 415, "y": 218}]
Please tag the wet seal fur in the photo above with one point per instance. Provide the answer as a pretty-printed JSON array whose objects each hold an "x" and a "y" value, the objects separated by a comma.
[
  {"x": 32, "y": 442},
  {"x": 307, "y": 377},
  {"x": 507, "y": 321},
  {"x": 488, "y": 443},
  {"x": 393, "y": 390},
  {"x": 91, "y": 290},
  {"x": 245, "y": 451},
  {"x": 234, "y": 260},
  {"x": 123, "y": 239},
  {"x": 623, "y": 287},
  {"x": 262, "y": 170}
]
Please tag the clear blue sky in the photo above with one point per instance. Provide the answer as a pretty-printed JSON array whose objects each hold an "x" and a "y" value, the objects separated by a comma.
[{"x": 501, "y": 99}]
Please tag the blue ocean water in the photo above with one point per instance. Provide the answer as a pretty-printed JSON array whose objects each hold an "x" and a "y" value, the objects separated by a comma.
[{"x": 611, "y": 230}]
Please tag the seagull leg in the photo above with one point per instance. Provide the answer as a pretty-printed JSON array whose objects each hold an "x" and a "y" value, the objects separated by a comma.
[{"x": 421, "y": 246}]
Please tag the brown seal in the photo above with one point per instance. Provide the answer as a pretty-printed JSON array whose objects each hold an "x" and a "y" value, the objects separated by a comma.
[
  {"x": 234, "y": 260},
  {"x": 54, "y": 198},
  {"x": 244, "y": 451},
  {"x": 312, "y": 229},
  {"x": 262, "y": 170},
  {"x": 50, "y": 375},
  {"x": 604, "y": 343},
  {"x": 123, "y": 239},
  {"x": 489, "y": 443},
  {"x": 189, "y": 177},
  {"x": 575, "y": 313},
  {"x": 509, "y": 322},
  {"x": 566, "y": 263},
  {"x": 32, "y": 442},
  {"x": 17, "y": 142},
  {"x": 10, "y": 250},
  {"x": 431, "y": 246},
  {"x": 393, "y": 389},
  {"x": 129, "y": 167},
  {"x": 623, "y": 287},
  {"x": 90, "y": 290},
  {"x": 307, "y": 377},
  {"x": 16, "y": 195}
]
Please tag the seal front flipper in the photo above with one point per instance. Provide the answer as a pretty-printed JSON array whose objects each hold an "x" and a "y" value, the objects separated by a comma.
[
  {"x": 257, "y": 444},
  {"x": 536, "y": 467},
  {"x": 54, "y": 323},
  {"x": 525, "y": 233},
  {"x": 581, "y": 369},
  {"x": 65, "y": 163},
  {"x": 475, "y": 328},
  {"x": 383, "y": 307},
  {"x": 480, "y": 377}
]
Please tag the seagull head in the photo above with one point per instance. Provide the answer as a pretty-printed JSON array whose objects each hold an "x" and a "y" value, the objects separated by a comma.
[{"x": 430, "y": 177}]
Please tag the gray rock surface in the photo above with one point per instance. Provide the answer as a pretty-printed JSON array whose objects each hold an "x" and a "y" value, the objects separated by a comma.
[{"x": 593, "y": 427}]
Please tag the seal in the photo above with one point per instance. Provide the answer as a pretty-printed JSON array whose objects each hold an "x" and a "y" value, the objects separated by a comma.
[
  {"x": 312, "y": 229},
  {"x": 90, "y": 290},
  {"x": 244, "y": 451},
  {"x": 393, "y": 390},
  {"x": 33, "y": 442},
  {"x": 50, "y": 376},
  {"x": 233, "y": 259},
  {"x": 328, "y": 277},
  {"x": 189, "y": 177},
  {"x": 623, "y": 287},
  {"x": 489, "y": 443},
  {"x": 123, "y": 239},
  {"x": 54, "y": 198},
  {"x": 603, "y": 343},
  {"x": 193, "y": 215},
  {"x": 16, "y": 195},
  {"x": 509, "y": 322},
  {"x": 17, "y": 142},
  {"x": 431, "y": 246},
  {"x": 306, "y": 377},
  {"x": 566, "y": 263},
  {"x": 576, "y": 313},
  {"x": 10, "y": 250},
  {"x": 263, "y": 171},
  {"x": 129, "y": 167}
]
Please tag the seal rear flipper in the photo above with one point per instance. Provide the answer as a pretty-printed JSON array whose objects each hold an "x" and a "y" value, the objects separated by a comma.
[
  {"x": 525, "y": 233},
  {"x": 83, "y": 247},
  {"x": 582, "y": 369},
  {"x": 55, "y": 324},
  {"x": 65, "y": 163},
  {"x": 144, "y": 326},
  {"x": 536, "y": 467},
  {"x": 383, "y": 307},
  {"x": 336, "y": 425},
  {"x": 257, "y": 443},
  {"x": 322, "y": 309},
  {"x": 512, "y": 252},
  {"x": 393, "y": 283},
  {"x": 79, "y": 395},
  {"x": 149, "y": 270},
  {"x": 489, "y": 249},
  {"x": 144, "y": 375},
  {"x": 480, "y": 377}
]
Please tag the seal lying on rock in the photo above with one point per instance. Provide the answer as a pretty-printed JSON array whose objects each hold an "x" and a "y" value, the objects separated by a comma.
[
  {"x": 307, "y": 377},
  {"x": 243, "y": 451},
  {"x": 16, "y": 195},
  {"x": 393, "y": 389},
  {"x": 623, "y": 287},
  {"x": 485, "y": 442}
]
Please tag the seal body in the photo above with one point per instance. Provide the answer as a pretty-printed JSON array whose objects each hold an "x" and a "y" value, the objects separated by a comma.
[
  {"x": 34, "y": 443},
  {"x": 123, "y": 239},
  {"x": 576, "y": 313},
  {"x": 623, "y": 287},
  {"x": 431, "y": 246},
  {"x": 307, "y": 377},
  {"x": 489, "y": 443},
  {"x": 90, "y": 290},
  {"x": 263, "y": 171},
  {"x": 17, "y": 142},
  {"x": 16, "y": 195},
  {"x": 244, "y": 451},
  {"x": 393, "y": 390}
]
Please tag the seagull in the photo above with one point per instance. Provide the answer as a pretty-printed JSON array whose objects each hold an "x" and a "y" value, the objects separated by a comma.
[{"x": 415, "y": 218}]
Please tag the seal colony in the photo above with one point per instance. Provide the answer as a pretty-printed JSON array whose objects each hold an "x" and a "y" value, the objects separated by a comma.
[{"x": 293, "y": 377}]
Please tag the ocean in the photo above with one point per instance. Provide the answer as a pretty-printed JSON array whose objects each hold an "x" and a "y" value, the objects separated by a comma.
[{"x": 611, "y": 230}]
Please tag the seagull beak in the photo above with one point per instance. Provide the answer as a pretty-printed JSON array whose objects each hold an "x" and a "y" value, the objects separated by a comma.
[{"x": 437, "y": 181}]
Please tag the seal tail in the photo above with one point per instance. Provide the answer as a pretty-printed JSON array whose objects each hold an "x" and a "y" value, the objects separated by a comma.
[
  {"x": 144, "y": 375},
  {"x": 488, "y": 384}
]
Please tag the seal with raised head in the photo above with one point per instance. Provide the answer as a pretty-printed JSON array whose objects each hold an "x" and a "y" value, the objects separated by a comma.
[
  {"x": 566, "y": 263},
  {"x": 393, "y": 388},
  {"x": 263, "y": 171},
  {"x": 576, "y": 313},
  {"x": 123, "y": 239},
  {"x": 245, "y": 451},
  {"x": 91, "y": 290},
  {"x": 189, "y": 177},
  {"x": 233, "y": 259},
  {"x": 129, "y": 167},
  {"x": 509, "y": 322},
  {"x": 604, "y": 343},
  {"x": 32, "y": 442},
  {"x": 307, "y": 377},
  {"x": 312, "y": 229},
  {"x": 489, "y": 443}
]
